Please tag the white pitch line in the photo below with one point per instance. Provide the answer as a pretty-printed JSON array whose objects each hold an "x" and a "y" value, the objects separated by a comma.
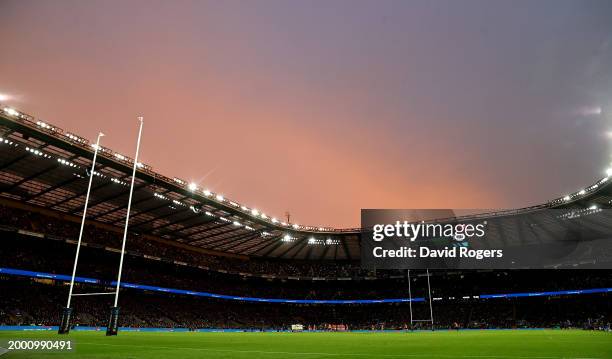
[{"x": 335, "y": 354}]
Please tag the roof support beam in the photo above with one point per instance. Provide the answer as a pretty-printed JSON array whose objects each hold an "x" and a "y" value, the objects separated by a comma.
[
  {"x": 213, "y": 235},
  {"x": 102, "y": 214},
  {"x": 57, "y": 185},
  {"x": 156, "y": 218},
  {"x": 324, "y": 252},
  {"x": 184, "y": 228},
  {"x": 274, "y": 246},
  {"x": 248, "y": 248},
  {"x": 301, "y": 248},
  {"x": 196, "y": 225},
  {"x": 77, "y": 195},
  {"x": 33, "y": 176},
  {"x": 135, "y": 215},
  {"x": 240, "y": 239},
  {"x": 346, "y": 250},
  {"x": 221, "y": 225},
  {"x": 53, "y": 188},
  {"x": 299, "y": 245},
  {"x": 13, "y": 161},
  {"x": 113, "y": 196}
]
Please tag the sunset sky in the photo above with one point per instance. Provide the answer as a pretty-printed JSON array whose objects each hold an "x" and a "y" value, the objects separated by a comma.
[{"x": 322, "y": 108}]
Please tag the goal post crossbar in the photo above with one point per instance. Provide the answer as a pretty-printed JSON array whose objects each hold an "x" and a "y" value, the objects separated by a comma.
[{"x": 85, "y": 294}]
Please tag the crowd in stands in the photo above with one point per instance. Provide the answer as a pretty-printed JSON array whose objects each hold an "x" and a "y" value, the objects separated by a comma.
[
  {"x": 39, "y": 302},
  {"x": 18, "y": 219},
  {"x": 32, "y": 303},
  {"x": 43, "y": 255}
]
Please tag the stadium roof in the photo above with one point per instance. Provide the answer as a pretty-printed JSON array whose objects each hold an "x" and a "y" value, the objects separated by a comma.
[{"x": 45, "y": 166}]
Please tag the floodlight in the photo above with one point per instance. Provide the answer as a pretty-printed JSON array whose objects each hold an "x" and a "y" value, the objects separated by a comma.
[{"x": 11, "y": 111}]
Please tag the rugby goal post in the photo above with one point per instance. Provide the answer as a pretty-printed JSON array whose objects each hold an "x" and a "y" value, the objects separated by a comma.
[
  {"x": 112, "y": 327},
  {"x": 412, "y": 320}
]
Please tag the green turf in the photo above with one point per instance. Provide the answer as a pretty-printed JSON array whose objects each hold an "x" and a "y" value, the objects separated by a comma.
[{"x": 535, "y": 344}]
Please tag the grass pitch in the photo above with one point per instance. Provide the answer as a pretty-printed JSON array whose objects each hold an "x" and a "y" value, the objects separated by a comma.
[{"x": 503, "y": 344}]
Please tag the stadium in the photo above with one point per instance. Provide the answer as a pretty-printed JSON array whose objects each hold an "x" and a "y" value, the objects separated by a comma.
[
  {"x": 200, "y": 262},
  {"x": 106, "y": 253}
]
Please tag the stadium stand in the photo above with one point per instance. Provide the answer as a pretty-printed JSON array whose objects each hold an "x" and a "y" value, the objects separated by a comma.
[
  {"x": 39, "y": 302},
  {"x": 39, "y": 305},
  {"x": 188, "y": 238}
]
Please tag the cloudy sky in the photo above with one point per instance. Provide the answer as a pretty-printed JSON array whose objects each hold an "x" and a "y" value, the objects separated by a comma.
[{"x": 321, "y": 108}]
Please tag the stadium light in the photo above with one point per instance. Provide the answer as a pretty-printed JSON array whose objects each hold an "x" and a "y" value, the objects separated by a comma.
[
  {"x": 609, "y": 172},
  {"x": 582, "y": 192},
  {"x": 254, "y": 212},
  {"x": 11, "y": 111},
  {"x": 4, "y": 97},
  {"x": 45, "y": 125},
  {"x": 312, "y": 240},
  {"x": 566, "y": 198},
  {"x": 191, "y": 186}
]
